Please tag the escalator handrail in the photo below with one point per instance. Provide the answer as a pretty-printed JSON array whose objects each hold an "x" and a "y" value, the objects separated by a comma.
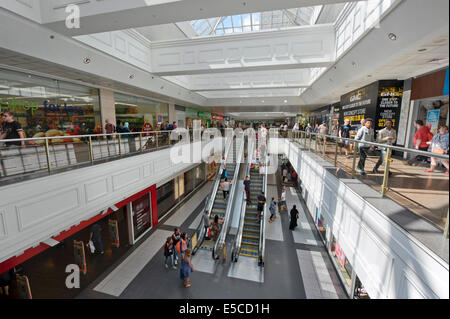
[
  {"x": 218, "y": 246},
  {"x": 210, "y": 199},
  {"x": 236, "y": 247},
  {"x": 262, "y": 242}
]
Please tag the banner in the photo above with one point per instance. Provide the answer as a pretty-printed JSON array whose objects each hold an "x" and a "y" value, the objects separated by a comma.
[
  {"x": 433, "y": 120},
  {"x": 217, "y": 117},
  {"x": 80, "y": 257},
  {"x": 114, "y": 232}
]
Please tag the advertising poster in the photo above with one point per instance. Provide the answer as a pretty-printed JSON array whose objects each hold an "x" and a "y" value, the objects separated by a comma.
[
  {"x": 23, "y": 287},
  {"x": 114, "y": 232},
  {"x": 141, "y": 215},
  {"x": 159, "y": 118},
  {"x": 80, "y": 257},
  {"x": 390, "y": 95},
  {"x": 433, "y": 120},
  {"x": 359, "y": 104}
]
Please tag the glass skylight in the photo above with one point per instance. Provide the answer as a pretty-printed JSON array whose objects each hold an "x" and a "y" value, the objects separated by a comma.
[{"x": 257, "y": 21}]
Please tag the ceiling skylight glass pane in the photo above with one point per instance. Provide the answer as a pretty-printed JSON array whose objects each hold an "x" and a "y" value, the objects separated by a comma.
[
  {"x": 246, "y": 20},
  {"x": 237, "y": 21}
]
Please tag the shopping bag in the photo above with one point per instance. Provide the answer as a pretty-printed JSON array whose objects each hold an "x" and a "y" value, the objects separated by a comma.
[{"x": 91, "y": 246}]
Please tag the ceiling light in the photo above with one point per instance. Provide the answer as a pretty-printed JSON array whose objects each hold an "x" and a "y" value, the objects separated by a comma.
[
  {"x": 392, "y": 36},
  {"x": 285, "y": 101},
  {"x": 131, "y": 76},
  {"x": 262, "y": 101},
  {"x": 421, "y": 50},
  {"x": 86, "y": 60}
]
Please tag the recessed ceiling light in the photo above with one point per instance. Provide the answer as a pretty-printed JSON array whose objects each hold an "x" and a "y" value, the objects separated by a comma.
[
  {"x": 285, "y": 101},
  {"x": 392, "y": 36},
  {"x": 262, "y": 101},
  {"x": 86, "y": 60}
]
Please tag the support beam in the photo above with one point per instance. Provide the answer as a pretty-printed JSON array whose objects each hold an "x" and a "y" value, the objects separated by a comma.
[{"x": 101, "y": 16}]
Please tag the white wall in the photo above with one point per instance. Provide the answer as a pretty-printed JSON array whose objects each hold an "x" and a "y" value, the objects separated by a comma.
[
  {"x": 35, "y": 210},
  {"x": 388, "y": 261}
]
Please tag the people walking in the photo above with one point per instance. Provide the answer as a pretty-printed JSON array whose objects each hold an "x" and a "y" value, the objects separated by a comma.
[
  {"x": 186, "y": 269},
  {"x": 176, "y": 237},
  {"x": 272, "y": 210},
  {"x": 206, "y": 223},
  {"x": 439, "y": 145},
  {"x": 344, "y": 132},
  {"x": 387, "y": 136},
  {"x": 421, "y": 139},
  {"x": 365, "y": 134},
  {"x": 261, "y": 203},
  {"x": 225, "y": 186},
  {"x": 215, "y": 227},
  {"x": 294, "y": 217},
  {"x": 247, "y": 187},
  {"x": 96, "y": 237},
  {"x": 168, "y": 253}
]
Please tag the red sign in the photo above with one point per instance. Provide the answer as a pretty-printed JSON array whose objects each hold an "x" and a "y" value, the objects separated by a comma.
[
  {"x": 217, "y": 117},
  {"x": 340, "y": 254},
  {"x": 147, "y": 127}
]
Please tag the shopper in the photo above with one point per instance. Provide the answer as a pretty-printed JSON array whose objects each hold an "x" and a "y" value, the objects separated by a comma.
[
  {"x": 366, "y": 134},
  {"x": 285, "y": 173},
  {"x": 176, "y": 237},
  {"x": 119, "y": 127},
  {"x": 206, "y": 223},
  {"x": 323, "y": 128},
  {"x": 109, "y": 129},
  {"x": 294, "y": 217},
  {"x": 96, "y": 237},
  {"x": 224, "y": 172},
  {"x": 11, "y": 129},
  {"x": 225, "y": 188},
  {"x": 439, "y": 145},
  {"x": 186, "y": 269},
  {"x": 294, "y": 178},
  {"x": 344, "y": 132},
  {"x": 5, "y": 281},
  {"x": 181, "y": 246},
  {"x": 387, "y": 136},
  {"x": 421, "y": 139},
  {"x": 168, "y": 253},
  {"x": 282, "y": 202},
  {"x": 272, "y": 210},
  {"x": 247, "y": 187},
  {"x": 261, "y": 203},
  {"x": 215, "y": 227}
]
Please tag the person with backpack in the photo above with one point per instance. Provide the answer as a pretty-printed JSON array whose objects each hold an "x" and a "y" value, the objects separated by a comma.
[
  {"x": 176, "y": 237},
  {"x": 186, "y": 269},
  {"x": 168, "y": 253}
]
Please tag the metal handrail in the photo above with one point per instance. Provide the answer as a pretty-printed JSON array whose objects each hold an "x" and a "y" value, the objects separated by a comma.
[
  {"x": 210, "y": 199},
  {"x": 236, "y": 247},
  {"x": 219, "y": 245},
  {"x": 386, "y": 146},
  {"x": 262, "y": 241}
]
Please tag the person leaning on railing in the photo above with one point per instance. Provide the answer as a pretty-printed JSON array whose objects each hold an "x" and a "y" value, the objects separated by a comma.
[
  {"x": 387, "y": 136},
  {"x": 11, "y": 129},
  {"x": 439, "y": 145}
]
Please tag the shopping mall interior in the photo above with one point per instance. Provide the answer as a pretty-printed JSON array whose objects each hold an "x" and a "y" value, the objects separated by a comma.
[{"x": 224, "y": 150}]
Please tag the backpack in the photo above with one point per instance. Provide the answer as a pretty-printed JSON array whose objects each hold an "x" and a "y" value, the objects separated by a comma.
[{"x": 178, "y": 247}]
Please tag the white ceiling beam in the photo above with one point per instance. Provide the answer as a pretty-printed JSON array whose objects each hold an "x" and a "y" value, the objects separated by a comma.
[
  {"x": 262, "y": 87},
  {"x": 299, "y": 47},
  {"x": 103, "y": 16}
]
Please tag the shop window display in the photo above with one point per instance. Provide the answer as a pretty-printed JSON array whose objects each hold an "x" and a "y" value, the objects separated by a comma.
[
  {"x": 342, "y": 262},
  {"x": 46, "y": 107},
  {"x": 139, "y": 111}
]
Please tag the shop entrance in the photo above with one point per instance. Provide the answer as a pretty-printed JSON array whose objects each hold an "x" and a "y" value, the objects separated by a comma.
[{"x": 46, "y": 271}]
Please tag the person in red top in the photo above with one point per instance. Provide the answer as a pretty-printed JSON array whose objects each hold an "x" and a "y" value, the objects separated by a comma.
[{"x": 422, "y": 136}]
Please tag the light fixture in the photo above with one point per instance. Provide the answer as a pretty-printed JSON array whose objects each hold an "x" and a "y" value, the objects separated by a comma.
[
  {"x": 285, "y": 101},
  {"x": 131, "y": 76},
  {"x": 86, "y": 60},
  {"x": 262, "y": 101},
  {"x": 422, "y": 50},
  {"x": 392, "y": 36},
  {"x": 369, "y": 76}
]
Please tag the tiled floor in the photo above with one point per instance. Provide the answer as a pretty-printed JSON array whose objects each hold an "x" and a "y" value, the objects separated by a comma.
[{"x": 282, "y": 276}]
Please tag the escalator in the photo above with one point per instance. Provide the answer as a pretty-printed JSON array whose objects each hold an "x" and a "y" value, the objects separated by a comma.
[
  {"x": 219, "y": 207},
  {"x": 251, "y": 231}
]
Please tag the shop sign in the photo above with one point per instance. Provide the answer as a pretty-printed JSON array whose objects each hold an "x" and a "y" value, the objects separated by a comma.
[
  {"x": 217, "y": 117},
  {"x": 14, "y": 106},
  {"x": 159, "y": 118},
  {"x": 359, "y": 104},
  {"x": 433, "y": 120},
  {"x": 191, "y": 113},
  {"x": 147, "y": 127},
  {"x": 390, "y": 95},
  {"x": 204, "y": 115}
]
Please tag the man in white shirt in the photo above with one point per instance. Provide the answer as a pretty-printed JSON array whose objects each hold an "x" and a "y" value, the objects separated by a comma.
[
  {"x": 226, "y": 188},
  {"x": 386, "y": 136},
  {"x": 365, "y": 133}
]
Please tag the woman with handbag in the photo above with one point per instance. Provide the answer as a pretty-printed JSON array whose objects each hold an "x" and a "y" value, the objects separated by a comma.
[{"x": 439, "y": 145}]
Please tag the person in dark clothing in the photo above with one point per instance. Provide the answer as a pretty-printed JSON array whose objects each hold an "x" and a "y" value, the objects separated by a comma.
[
  {"x": 11, "y": 129},
  {"x": 294, "y": 217},
  {"x": 176, "y": 236},
  {"x": 168, "y": 252},
  {"x": 247, "y": 184},
  {"x": 5, "y": 281},
  {"x": 261, "y": 203},
  {"x": 96, "y": 237},
  {"x": 119, "y": 127}
]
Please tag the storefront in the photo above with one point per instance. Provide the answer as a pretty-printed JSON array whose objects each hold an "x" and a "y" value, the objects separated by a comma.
[
  {"x": 171, "y": 193},
  {"x": 191, "y": 115},
  {"x": 137, "y": 111},
  {"x": 47, "y": 107}
]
